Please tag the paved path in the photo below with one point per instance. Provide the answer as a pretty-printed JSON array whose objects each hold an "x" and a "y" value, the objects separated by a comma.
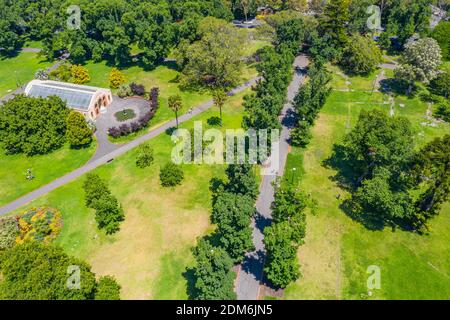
[
  {"x": 251, "y": 272},
  {"x": 113, "y": 154}
]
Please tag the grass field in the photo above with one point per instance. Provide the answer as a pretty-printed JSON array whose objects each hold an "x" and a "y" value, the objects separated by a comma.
[
  {"x": 152, "y": 250},
  {"x": 338, "y": 250},
  {"x": 45, "y": 168},
  {"x": 18, "y": 70}
]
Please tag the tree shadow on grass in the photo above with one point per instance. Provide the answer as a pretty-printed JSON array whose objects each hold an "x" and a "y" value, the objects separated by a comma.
[
  {"x": 189, "y": 275},
  {"x": 346, "y": 177},
  {"x": 214, "y": 121},
  {"x": 369, "y": 221}
]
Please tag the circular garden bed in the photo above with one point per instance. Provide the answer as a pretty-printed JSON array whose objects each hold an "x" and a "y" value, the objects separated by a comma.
[{"x": 125, "y": 115}]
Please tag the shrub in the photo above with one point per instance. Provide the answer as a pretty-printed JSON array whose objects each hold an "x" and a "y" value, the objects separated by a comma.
[
  {"x": 41, "y": 224},
  {"x": 134, "y": 126},
  {"x": 145, "y": 156},
  {"x": 62, "y": 73},
  {"x": 116, "y": 78},
  {"x": 171, "y": 175},
  {"x": 137, "y": 89},
  {"x": 154, "y": 98},
  {"x": 41, "y": 75},
  {"x": 443, "y": 111},
  {"x": 78, "y": 132},
  {"x": 124, "y": 91},
  {"x": 79, "y": 74},
  {"x": 9, "y": 230}
]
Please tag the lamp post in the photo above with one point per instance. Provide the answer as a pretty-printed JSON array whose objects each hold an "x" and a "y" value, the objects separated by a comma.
[{"x": 293, "y": 173}]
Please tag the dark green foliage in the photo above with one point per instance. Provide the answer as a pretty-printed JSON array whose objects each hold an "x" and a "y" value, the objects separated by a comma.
[
  {"x": 171, "y": 175},
  {"x": 334, "y": 21},
  {"x": 9, "y": 230},
  {"x": 286, "y": 234},
  {"x": 431, "y": 168},
  {"x": 145, "y": 157},
  {"x": 242, "y": 180},
  {"x": 443, "y": 111},
  {"x": 78, "y": 133},
  {"x": 309, "y": 100},
  {"x": 232, "y": 213},
  {"x": 214, "y": 278},
  {"x": 34, "y": 271},
  {"x": 108, "y": 212},
  {"x": 33, "y": 125},
  {"x": 107, "y": 289},
  {"x": 441, "y": 84}
]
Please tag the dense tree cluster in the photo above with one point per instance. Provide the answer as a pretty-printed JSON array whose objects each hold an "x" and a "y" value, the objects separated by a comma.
[
  {"x": 108, "y": 211},
  {"x": 233, "y": 208},
  {"x": 386, "y": 169},
  {"x": 33, "y": 125},
  {"x": 34, "y": 271},
  {"x": 308, "y": 102},
  {"x": 285, "y": 235}
]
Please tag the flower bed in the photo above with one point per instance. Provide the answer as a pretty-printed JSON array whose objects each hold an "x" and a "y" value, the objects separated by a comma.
[{"x": 40, "y": 224}]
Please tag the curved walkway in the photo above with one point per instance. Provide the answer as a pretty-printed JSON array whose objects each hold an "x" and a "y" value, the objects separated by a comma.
[{"x": 113, "y": 154}]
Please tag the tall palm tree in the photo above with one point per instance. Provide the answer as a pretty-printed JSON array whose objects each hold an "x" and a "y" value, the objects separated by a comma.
[{"x": 175, "y": 104}]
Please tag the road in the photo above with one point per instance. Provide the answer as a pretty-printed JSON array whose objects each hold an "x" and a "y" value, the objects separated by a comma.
[
  {"x": 250, "y": 276},
  {"x": 113, "y": 154}
]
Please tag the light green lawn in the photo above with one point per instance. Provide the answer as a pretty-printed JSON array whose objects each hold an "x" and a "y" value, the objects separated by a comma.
[
  {"x": 19, "y": 70},
  {"x": 338, "y": 250},
  {"x": 46, "y": 168},
  {"x": 152, "y": 250}
]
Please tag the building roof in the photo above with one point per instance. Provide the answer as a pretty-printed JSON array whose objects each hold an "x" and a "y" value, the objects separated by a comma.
[{"x": 76, "y": 96}]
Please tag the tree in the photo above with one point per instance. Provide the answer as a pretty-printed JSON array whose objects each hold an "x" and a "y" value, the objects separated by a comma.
[
  {"x": 78, "y": 132},
  {"x": 79, "y": 74},
  {"x": 145, "y": 157},
  {"x": 214, "y": 278},
  {"x": 116, "y": 78},
  {"x": 334, "y": 21},
  {"x": 431, "y": 167},
  {"x": 34, "y": 271},
  {"x": 420, "y": 62},
  {"x": 214, "y": 61},
  {"x": 281, "y": 266},
  {"x": 440, "y": 34},
  {"x": 379, "y": 141},
  {"x": 232, "y": 213},
  {"x": 441, "y": 84},
  {"x": 361, "y": 55},
  {"x": 175, "y": 104},
  {"x": 171, "y": 175},
  {"x": 107, "y": 289},
  {"x": 242, "y": 180},
  {"x": 108, "y": 212},
  {"x": 33, "y": 125},
  {"x": 220, "y": 97}
]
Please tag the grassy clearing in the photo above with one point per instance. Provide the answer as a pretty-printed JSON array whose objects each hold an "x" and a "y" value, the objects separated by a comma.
[
  {"x": 152, "y": 250},
  {"x": 46, "y": 168},
  {"x": 18, "y": 70},
  {"x": 338, "y": 250}
]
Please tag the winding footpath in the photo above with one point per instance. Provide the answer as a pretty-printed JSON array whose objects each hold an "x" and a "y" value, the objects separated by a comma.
[
  {"x": 250, "y": 277},
  {"x": 104, "y": 159}
]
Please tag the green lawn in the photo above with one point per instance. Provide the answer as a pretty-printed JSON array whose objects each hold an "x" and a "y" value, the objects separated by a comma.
[
  {"x": 18, "y": 70},
  {"x": 45, "y": 168},
  {"x": 152, "y": 250},
  {"x": 338, "y": 250}
]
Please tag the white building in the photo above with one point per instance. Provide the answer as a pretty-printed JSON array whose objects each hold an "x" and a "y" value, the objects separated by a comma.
[{"x": 90, "y": 101}]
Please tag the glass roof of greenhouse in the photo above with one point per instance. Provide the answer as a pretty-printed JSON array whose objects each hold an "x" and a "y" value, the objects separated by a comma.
[{"x": 75, "y": 99}]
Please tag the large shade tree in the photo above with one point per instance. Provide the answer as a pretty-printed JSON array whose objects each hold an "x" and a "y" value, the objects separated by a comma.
[{"x": 33, "y": 125}]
